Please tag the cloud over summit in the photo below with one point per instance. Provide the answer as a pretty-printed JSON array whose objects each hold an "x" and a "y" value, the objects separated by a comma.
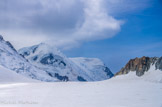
[{"x": 63, "y": 23}]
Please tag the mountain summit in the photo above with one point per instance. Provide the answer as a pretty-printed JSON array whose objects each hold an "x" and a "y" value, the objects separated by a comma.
[{"x": 57, "y": 65}]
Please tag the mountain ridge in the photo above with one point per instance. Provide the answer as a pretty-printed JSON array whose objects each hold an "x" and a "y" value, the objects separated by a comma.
[{"x": 141, "y": 65}]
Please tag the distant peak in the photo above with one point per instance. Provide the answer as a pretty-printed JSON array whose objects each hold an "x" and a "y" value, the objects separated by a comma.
[
  {"x": 42, "y": 48},
  {"x": 7, "y": 43}
]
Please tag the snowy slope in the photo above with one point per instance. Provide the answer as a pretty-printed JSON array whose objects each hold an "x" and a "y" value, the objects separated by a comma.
[
  {"x": 152, "y": 75},
  {"x": 8, "y": 76},
  {"x": 58, "y": 65},
  {"x": 94, "y": 67},
  {"x": 120, "y": 91},
  {"x": 9, "y": 58}
]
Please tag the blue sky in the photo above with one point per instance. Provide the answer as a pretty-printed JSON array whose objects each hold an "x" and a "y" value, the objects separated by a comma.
[
  {"x": 112, "y": 30},
  {"x": 141, "y": 35}
]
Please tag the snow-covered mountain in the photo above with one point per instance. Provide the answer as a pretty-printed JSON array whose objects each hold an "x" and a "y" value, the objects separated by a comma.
[
  {"x": 46, "y": 63},
  {"x": 10, "y": 59},
  {"x": 94, "y": 67},
  {"x": 141, "y": 66},
  {"x": 59, "y": 66}
]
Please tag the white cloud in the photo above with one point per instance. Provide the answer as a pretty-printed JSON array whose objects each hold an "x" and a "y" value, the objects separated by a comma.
[
  {"x": 97, "y": 23},
  {"x": 63, "y": 23}
]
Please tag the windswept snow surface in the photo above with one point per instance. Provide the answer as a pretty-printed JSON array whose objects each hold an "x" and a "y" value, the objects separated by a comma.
[
  {"x": 122, "y": 91},
  {"x": 7, "y": 76}
]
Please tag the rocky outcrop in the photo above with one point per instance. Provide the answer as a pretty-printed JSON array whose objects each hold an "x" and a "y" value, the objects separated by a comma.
[
  {"x": 140, "y": 65},
  {"x": 1, "y": 37},
  {"x": 108, "y": 72},
  {"x": 158, "y": 64}
]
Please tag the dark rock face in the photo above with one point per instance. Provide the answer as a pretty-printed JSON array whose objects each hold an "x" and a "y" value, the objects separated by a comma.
[
  {"x": 108, "y": 72},
  {"x": 34, "y": 49},
  {"x": 26, "y": 54},
  {"x": 51, "y": 59},
  {"x": 158, "y": 64},
  {"x": 62, "y": 78},
  {"x": 80, "y": 78},
  {"x": 139, "y": 65},
  {"x": 35, "y": 58},
  {"x": 1, "y": 37},
  {"x": 10, "y": 45},
  {"x": 47, "y": 59}
]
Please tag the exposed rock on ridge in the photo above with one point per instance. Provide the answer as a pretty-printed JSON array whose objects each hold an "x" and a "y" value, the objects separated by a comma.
[
  {"x": 158, "y": 64},
  {"x": 141, "y": 65}
]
